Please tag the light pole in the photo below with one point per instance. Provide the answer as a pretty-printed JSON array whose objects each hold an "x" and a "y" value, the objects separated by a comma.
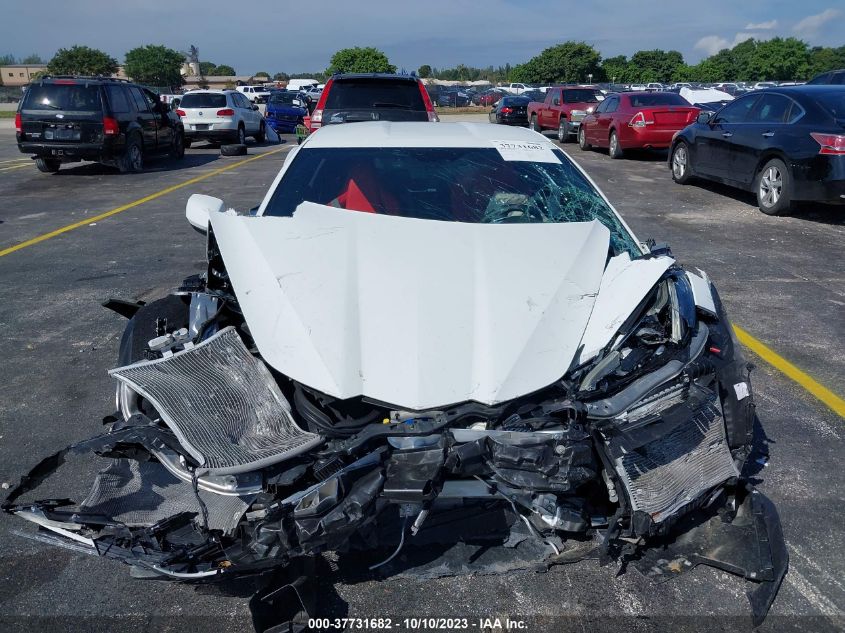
[{"x": 590, "y": 77}]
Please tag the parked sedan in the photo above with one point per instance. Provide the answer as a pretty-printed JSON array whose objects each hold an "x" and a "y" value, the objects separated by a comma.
[
  {"x": 510, "y": 111},
  {"x": 453, "y": 98},
  {"x": 784, "y": 144},
  {"x": 487, "y": 98},
  {"x": 634, "y": 120}
]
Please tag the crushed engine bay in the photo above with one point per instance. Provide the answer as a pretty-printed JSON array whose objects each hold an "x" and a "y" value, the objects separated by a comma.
[{"x": 221, "y": 466}]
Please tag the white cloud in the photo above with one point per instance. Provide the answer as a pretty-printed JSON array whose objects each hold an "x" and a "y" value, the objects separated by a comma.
[
  {"x": 761, "y": 26},
  {"x": 811, "y": 25},
  {"x": 712, "y": 44}
]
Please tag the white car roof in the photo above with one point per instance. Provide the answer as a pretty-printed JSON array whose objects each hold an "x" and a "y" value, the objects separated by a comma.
[
  {"x": 206, "y": 91},
  {"x": 419, "y": 134}
]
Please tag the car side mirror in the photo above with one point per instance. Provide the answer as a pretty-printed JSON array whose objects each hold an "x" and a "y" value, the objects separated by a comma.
[
  {"x": 254, "y": 107},
  {"x": 199, "y": 210},
  {"x": 703, "y": 117}
]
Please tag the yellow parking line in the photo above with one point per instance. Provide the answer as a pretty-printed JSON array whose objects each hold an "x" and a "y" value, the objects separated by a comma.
[
  {"x": 152, "y": 196},
  {"x": 15, "y": 167},
  {"x": 16, "y": 160},
  {"x": 777, "y": 361}
]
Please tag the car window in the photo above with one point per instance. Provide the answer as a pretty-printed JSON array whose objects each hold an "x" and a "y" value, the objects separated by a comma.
[
  {"x": 138, "y": 99},
  {"x": 283, "y": 98},
  {"x": 203, "y": 100},
  {"x": 770, "y": 108},
  {"x": 736, "y": 111},
  {"x": 612, "y": 104},
  {"x": 70, "y": 97},
  {"x": 458, "y": 184},
  {"x": 833, "y": 102},
  {"x": 375, "y": 93},
  {"x": 602, "y": 106},
  {"x": 583, "y": 95},
  {"x": 838, "y": 79},
  {"x": 244, "y": 102},
  {"x": 657, "y": 99},
  {"x": 118, "y": 99}
]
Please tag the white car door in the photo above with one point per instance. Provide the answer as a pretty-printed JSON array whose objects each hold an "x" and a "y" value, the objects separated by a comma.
[{"x": 251, "y": 118}]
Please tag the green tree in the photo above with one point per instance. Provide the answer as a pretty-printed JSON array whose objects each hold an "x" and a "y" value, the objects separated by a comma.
[
  {"x": 780, "y": 59},
  {"x": 208, "y": 69},
  {"x": 32, "y": 59},
  {"x": 155, "y": 65},
  {"x": 8, "y": 60},
  {"x": 82, "y": 60},
  {"x": 224, "y": 71},
  {"x": 360, "y": 60},
  {"x": 654, "y": 65},
  {"x": 615, "y": 68},
  {"x": 424, "y": 71},
  {"x": 262, "y": 73},
  {"x": 823, "y": 59},
  {"x": 281, "y": 77},
  {"x": 567, "y": 62}
]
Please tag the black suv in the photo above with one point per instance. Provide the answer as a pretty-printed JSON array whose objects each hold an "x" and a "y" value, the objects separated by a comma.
[
  {"x": 372, "y": 97},
  {"x": 110, "y": 121}
]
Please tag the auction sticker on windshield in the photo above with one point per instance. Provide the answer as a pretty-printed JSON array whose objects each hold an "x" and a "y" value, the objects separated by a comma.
[{"x": 525, "y": 151}]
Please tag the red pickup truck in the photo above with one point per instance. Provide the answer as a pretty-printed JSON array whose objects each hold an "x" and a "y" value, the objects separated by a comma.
[{"x": 562, "y": 110}]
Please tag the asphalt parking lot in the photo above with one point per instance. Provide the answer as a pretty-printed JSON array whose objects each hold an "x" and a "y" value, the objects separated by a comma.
[{"x": 782, "y": 280}]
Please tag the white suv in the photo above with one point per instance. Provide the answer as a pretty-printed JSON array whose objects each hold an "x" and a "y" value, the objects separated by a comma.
[
  {"x": 256, "y": 94},
  {"x": 220, "y": 116}
]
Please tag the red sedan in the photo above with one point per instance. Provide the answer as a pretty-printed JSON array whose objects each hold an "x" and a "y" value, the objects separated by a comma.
[{"x": 632, "y": 120}]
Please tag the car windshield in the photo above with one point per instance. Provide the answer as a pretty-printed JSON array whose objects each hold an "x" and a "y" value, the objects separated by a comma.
[
  {"x": 463, "y": 184},
  {"x": 580, "y": 96},
  {"x": 833, "y": 102},
  {"x": 658, "y": 99},
  {"x": 71, "y": 97},
  {"x": 374, "y": 93},
  {"x": 283, "y": 98},
  {"x": 516, "y": 101}
]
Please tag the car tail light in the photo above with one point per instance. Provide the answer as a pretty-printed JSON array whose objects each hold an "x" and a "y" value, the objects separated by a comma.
[
  {"x": 110, "y": 126},
  {"x": 429, "y": 107},
  {"x": 18, "y": 122},
  {"x": 226, "y": 112},
  {"x": 639, "y": 120},
  {"x": 317, "y": 116},
  {"x": 181, "y": 113},
  {"x": 831, "y": 144},
  {"x": 506, "y": 110}
]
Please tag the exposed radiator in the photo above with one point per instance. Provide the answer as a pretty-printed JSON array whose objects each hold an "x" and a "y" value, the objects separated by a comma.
[
  {"x": 222, "y": 404},
  {"x": 667, "y": 473}
]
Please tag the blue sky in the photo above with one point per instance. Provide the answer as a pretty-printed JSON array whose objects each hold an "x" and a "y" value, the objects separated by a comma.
[{"x": 281, "y": 35}]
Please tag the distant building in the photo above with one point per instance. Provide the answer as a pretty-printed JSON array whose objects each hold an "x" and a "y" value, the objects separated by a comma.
[
  {"x": 20, "y": 74},
  {"x": 215, "y": 82}
]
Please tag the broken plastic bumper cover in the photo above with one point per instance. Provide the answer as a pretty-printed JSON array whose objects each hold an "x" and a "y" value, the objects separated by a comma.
[{"x": 218, "y": 480}]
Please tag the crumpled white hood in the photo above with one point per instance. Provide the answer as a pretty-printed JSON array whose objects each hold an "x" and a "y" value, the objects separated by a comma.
[{"x": 418, "y": 313}]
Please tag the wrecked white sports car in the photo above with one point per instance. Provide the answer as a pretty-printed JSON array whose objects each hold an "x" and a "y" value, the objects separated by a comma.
[{"x": 427, "y": 336}]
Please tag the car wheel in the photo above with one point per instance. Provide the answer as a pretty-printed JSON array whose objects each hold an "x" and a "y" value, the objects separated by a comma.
[
  {"x": 47, "y": 165},
  {"x": 133, "y": 157},
  {"x": 582, "y": 139},
  {"x": 186, "y": 142},
  {"x": 240, "y": 136},
  {"x": 563, "y": 131},
  {"x": 681, "y": 164},
  {"x": 613, "y": 146},
  {"x": 773, "y": 187},
  {"x": 262, "y": 133},
  {"x": 178, "y": 149},
  {"x": 535, "y": 125}
]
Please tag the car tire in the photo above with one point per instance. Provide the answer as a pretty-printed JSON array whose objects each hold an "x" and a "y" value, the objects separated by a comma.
[
  {"x": 773, "y": 185},
  {"x": 681, "y": 164},
  {"x": 47, "y": 165},
  {"x": 582, "y": 139},
  {"x": 178, "y": 149},
  {"x": 563, "y": 131},
  {"x": 234, "y": 149},
  {"x": 186, "y": 142},
  {"x": 132, "y": 160},
  {"x": 262, "y": 134},
  {"x": 613, "y": 148},
  {"x": 535, "y": 125},
  {"x": 240, "y": 136}
]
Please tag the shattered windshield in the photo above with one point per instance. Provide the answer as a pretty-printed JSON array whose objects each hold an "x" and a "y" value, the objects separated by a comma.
[{"x": 455, "y": 184}]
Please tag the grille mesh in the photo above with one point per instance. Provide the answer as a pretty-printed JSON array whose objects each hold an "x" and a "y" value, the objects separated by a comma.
[
  {"x": 222, "y": 403},
  {"x": 142, "y": 493},
  {"x": 664, "y": 475}
]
